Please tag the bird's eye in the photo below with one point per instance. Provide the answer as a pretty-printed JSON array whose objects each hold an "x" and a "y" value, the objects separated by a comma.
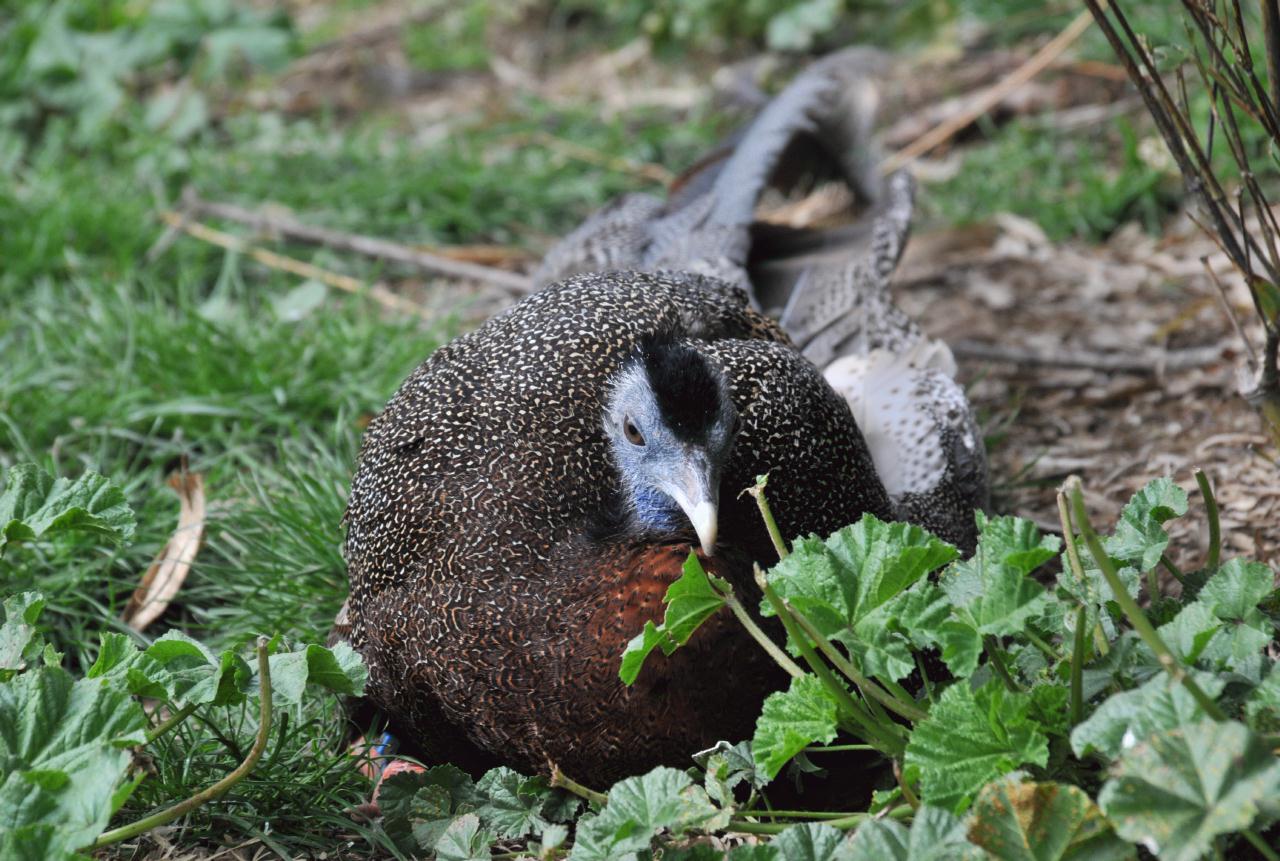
[{"x": 632, "y": 432}]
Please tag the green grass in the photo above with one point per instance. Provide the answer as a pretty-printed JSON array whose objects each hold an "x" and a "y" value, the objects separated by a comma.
[{"x": 1073, "y": 187}]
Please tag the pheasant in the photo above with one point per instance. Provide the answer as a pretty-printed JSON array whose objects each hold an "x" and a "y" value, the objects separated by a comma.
[{"x": 524, "y": 500}]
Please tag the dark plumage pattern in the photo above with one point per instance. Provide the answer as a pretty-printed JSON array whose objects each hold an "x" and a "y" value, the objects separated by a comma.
[{"x": 490, "y": 609}]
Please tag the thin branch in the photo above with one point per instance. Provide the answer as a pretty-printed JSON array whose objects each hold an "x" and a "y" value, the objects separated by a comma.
[
  {"x": 376, "y": 292},
  {"x": 1148, "y": 365},
  {"x": 369, "y": 246}
]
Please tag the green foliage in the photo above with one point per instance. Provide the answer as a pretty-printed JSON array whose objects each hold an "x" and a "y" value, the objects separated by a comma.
[
  {"x": 790, "y": 721},
  {"x": 638, "y": 808},
  {"x": 65, "y": 743},
  {"x": 865, "y": 588},
  {"x": 35, "y": 505},
  {"x": 780, "y": 25},
  {"x": 1083, "y": 187},
  {"x": 969, "y": 739},
  {"x": 1181, "y": 788},
  {"x": 935, "y": 835},
  {"x": 1020, "y": 821},
  {"x": 1006, "y": 758},
  {"x": 62, "y": 62},
  {"x": 690, "y": 601}
]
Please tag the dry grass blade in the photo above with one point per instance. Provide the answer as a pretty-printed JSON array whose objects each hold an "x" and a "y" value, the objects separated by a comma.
[
  {"x": 986, "y": 101},
  {"x": 167, "y": 572},
  {"x": 377, "y": 292}
]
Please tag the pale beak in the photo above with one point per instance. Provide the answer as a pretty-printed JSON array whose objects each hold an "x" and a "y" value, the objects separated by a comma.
[{"x": 696, "y": 493}]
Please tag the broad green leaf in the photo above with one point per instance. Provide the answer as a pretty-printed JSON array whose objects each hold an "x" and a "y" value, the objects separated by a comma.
[
  {"x": 1094, "y": 593},
  {"x": 992, "y": 593},
  {"x": 790, "y": 721},
  {"x": 1180, "y": 789},
  {"x": 1190, "y": 631},
  {"x": 1129, "y": 662},
  {"x": 35, "y": 505},
  {"x": 417, "y": 807},
  {"x": 726, "y": 766},
  {"x": 1021, "y": 821},
  {"x": 935, "y": 835},
  {"x": 512, "y": 803},
  {"x": 1140, "y": 539},
  {"x": 811, "y": 841},
  {"x": 339, "y": 669},
  {"x": 464, "y": 840},
  {"x": 191, "y": 673},
  {"x": 971, "y": 737},
  {"x": 854, "y": 587},
  {"x": 690, "y": 601},
  {"x": 120, "y": 658},
  {"x": 20, "y": 643},
  {"x": 1262, "y": 709},
  {"x": 1233, "y": 595},
  {"x": 63, "y": 750},
  {"x": 640, "y": 807},
  {"x": 1129, "y": 717}
]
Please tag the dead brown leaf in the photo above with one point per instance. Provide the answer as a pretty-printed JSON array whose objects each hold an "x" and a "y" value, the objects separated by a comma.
[{"x": 167, "y": 572}]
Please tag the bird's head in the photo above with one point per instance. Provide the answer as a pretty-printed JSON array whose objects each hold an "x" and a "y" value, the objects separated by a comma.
[{"x": 671, "y": 424}]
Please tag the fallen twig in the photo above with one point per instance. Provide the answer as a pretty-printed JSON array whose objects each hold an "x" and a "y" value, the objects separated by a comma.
[
  {"x": 369, "y": 246},
  {"x": 376, "y": 292},
  {"x": 986, "y": 101},
  {"x": 1148, "y": 365}
]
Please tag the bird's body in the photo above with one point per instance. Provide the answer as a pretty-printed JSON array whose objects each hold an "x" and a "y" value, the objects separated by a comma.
[
  {"x": 526, "y": 497},
  {"x": 494, "y": 577}
]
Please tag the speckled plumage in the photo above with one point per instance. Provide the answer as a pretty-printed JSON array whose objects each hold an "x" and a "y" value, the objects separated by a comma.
[
  {"x": 500, "y": 560},
  {"x": 484, "y": 596}
]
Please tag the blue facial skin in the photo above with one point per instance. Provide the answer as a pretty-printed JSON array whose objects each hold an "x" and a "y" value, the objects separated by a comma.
[{"x": 656, "y": 510}]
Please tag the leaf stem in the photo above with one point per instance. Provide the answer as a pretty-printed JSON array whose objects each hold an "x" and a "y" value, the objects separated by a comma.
[
  {"x": 775, "y": 535},
  {"x": 1263, "y": 849},
  {"x": 1077, "y": 665},
  {"x": 1154, "y": 584},
  {"x": 757, "y": 633},
  {"x": 1211, "y": 511},
  {"x": 169, "y": 723},
  {"x": 794, "y": 814},
  {"x": 866, "y": 726},
  {"x": 852, "y": 820},
  {"x": 210, "y": 793},
  {"x": 996, "y": 654},
  {"x": 837, "y": 748},
  {"x": 1130, "y": 607},
  {"x": 561, "y": 780},
  {"x": 868, "y": 686},
  {"x": 907, "y": 795},
  {"x": 1045, "y": 649}
]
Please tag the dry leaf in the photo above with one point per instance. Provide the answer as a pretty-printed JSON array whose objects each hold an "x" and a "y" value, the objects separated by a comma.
[{"x": 164, "y": 577}]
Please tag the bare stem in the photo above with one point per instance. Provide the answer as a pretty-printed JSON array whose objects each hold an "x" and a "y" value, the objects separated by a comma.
[
  {"x": 996, "y": 654},
  {"x": 169, "y": 723},
  {"x": 868, "y": 686},
  {"x": 1211, "y": 511},
  {"x": 1077, "y": 666},
  {"x": 182, "y": 808},
  {"x": 560, "y": 780},
  {"x": 1130, "y": 607},
  {"x": 775, "y": 535},
  {"x": 757, "y": 633},
  {"x": 1259, "y": 844}
]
